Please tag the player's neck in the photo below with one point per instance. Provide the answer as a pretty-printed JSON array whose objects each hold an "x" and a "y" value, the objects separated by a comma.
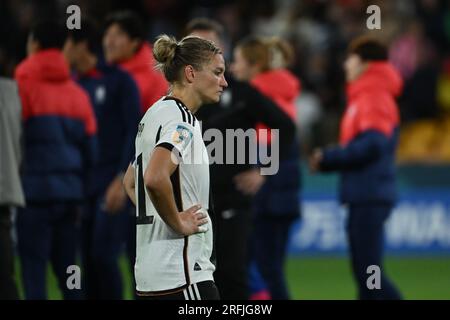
[{"x": 190, "y": 99}]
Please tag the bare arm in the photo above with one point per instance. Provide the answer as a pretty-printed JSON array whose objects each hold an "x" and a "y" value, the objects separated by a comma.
[
  {"x": 157, "y": 181},
  {"x": 129, "y": 184}
]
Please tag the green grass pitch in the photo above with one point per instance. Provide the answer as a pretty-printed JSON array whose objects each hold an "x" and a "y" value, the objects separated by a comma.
[{"x": 325, "y": 278}]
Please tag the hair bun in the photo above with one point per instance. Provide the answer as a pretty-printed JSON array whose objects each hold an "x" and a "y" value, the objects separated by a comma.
[
  {"x": 172, "y": 56},
  {"x": 164, "y": 49}
]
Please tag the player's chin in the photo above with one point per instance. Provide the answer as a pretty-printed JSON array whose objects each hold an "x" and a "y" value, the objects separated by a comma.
[
  {"x": 219, "y": 94},
  {"x": 215, "y": 98}
]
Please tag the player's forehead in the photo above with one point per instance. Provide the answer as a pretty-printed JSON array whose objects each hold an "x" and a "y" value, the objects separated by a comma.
[{"x": 216, "y": 62}]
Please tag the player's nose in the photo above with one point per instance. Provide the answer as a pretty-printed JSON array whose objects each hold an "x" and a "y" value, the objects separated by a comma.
[{"x": 223, "y": 82}]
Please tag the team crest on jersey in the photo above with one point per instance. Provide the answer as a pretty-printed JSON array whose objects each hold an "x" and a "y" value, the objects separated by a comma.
[{"x": 182, "y": 135}]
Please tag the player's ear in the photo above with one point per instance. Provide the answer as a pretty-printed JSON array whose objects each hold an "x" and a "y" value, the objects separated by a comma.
[{"x": 189, "y": 73}]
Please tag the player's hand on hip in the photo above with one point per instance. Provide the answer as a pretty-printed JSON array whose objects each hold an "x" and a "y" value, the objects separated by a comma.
[{"x": 193, "y": 220}]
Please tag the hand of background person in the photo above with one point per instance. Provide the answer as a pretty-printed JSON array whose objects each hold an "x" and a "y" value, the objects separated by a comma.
[
  {"x": 249, "y": 182},
  {"x": 115, "y": 197},
  {"x": 192, "y": 221},
  {"x": 315, "y": 159}
]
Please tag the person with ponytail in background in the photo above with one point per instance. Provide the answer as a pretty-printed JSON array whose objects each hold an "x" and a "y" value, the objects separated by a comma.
[
  {"x": 241, "y": 108},
  {"x": 263, "y": 62}
]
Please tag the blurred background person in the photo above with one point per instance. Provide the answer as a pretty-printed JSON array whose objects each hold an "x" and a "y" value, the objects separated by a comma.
[
  {"x": 263, "y": 62},
  {"x": 241, "y": 107},
  {"x": 366, "y": 158},
  {"x": 11, "y": 191},
  {"x": 115, "y": 98},
  {"x": 59, "y": 140},
  {"x": 124, "y": 44},
  {"x": 418, "y": 35}
]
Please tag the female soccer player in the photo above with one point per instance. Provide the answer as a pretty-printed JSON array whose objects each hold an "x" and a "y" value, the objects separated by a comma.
[{"x": 169, "y": 179}]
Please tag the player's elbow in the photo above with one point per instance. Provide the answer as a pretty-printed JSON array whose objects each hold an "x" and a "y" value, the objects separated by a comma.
[
  {"x": 153, "y": 180},
  {"x": 128, "y": 185}
]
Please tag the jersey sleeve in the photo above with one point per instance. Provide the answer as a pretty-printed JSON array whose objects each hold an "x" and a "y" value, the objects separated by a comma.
[{"x": 175, "y": 134}]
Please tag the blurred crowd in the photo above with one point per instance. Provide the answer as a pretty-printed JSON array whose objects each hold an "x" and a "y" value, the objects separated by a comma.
[
  {"x": 418, "y": 33},
  {"x": 122, "y": 84}
]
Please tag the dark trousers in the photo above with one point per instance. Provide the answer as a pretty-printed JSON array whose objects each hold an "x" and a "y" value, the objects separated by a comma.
[
  {"x": 47, "y": 232},
  {"x": 205, "y": 290},
  {"x": 103, "y": 239},
  {"x": 365, "y": 237},
  {"x": 8, "y": 289},
  {"x": 269, "y": 242},
  {"x": 232, "y": 237}
]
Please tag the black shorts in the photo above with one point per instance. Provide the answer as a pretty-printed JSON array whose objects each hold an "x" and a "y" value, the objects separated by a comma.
[{"x": 205, "y": 290}]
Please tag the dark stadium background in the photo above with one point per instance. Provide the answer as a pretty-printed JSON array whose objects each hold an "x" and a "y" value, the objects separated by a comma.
[{"x": 418, "y": 232}]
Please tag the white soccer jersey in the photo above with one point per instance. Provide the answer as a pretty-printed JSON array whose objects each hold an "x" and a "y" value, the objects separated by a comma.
[{"x": 166, "y": 260}]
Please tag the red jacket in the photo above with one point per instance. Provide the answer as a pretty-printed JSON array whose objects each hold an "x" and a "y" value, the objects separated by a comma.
[
  {"x": 369, "y": 136},
  {"x": 42, "y": 78},
  {"x": 282, "y": 87},
  {"x": 151, "y": 83},
  {"x": 59, "y": 129},
  {"x": 371, "y": 102}
]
